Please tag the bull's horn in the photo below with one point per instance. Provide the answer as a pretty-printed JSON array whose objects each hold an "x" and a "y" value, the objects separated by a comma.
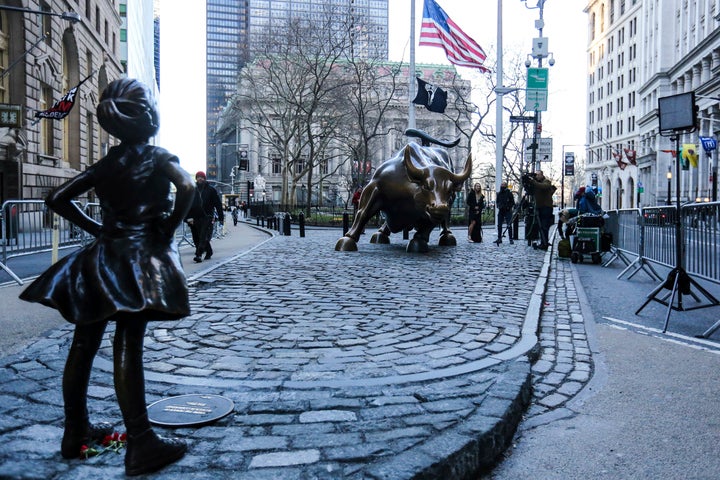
[
  {"x": 459, "y": 178},
  {"x": 414, "y": 172}
]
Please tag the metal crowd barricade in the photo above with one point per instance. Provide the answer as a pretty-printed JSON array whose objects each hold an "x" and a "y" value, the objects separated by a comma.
[
  {"x": 701, "y": 235},
  {"x": 612, "y": 227},
  {"x": 629, "y": 242},
  {"x": 659, "y": 234},
  {"x": 27, "y": 228}
]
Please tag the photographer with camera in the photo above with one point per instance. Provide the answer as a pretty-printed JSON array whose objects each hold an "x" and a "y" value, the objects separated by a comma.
[{"x": 541, "y": 188}]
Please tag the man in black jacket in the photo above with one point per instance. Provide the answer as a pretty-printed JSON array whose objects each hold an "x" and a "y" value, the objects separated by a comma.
[
  {"x": 201, "y": 217},
  {"x": 505, "y": 203}
]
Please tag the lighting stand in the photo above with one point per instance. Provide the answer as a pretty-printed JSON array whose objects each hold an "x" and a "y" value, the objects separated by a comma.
[{"x": 678, "y": 281}]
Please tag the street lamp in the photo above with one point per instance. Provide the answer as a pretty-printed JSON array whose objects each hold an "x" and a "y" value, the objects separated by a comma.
[
  {"x": 71, "y": 17},
  {"x": 263, "y": 202},
  {"x": 669, "y": 179}
]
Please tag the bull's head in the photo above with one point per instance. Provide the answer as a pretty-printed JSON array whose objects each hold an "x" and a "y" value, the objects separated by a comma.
[{"x": 438, "y": 185}]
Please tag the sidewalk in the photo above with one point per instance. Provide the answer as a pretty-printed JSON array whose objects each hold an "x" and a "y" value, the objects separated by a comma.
[{"x": 650, "y": 408}]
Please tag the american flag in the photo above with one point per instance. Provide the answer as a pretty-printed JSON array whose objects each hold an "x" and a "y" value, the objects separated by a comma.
[{"x": 438, "y": 30}]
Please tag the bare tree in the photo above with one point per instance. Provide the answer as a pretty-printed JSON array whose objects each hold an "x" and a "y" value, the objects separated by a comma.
[
  {"x": 477, "y": 108},
  {"x": 371, "y": 94},
  {"x": 290, "y": 96}
]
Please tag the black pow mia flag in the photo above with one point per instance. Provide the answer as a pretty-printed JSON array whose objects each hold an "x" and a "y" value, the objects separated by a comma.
[{"x": 433, "y": 97}]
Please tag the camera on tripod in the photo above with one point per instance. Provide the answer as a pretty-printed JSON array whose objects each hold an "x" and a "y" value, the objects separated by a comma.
[{"x": 526, "y": 183}]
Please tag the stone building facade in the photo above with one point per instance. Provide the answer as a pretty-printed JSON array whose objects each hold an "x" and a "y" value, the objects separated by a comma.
[
  {"x": 39, "y": 154},
  {"x": 639, "y": 51}
]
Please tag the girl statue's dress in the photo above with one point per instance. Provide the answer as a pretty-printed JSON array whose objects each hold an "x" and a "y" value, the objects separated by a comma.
[
  {"x": 130, "y": 273},
  {"x": 132, "y": 266}
]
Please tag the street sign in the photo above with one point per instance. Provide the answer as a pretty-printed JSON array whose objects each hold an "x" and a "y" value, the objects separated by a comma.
[
  {"x": 536, "y": 100},
  {"x": 537, "y": 89},
  {"x": 543, "y": 150},
  {"x": 569, "y": 164},
  {"x": 521, "y": 119},
  {"x": 537, "y": 78}
]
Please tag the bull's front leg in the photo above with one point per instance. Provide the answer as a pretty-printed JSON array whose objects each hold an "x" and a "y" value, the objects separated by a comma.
[
  {"x": 447, "y": 239},
  {"x": 367, "y": 208}
]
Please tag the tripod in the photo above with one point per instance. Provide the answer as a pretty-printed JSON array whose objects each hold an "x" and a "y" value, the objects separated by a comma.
[
  {"x": 678, "y": 281},
  {"x": 527, "y": 200}
]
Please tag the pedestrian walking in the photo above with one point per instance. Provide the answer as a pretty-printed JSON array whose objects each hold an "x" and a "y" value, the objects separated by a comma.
[
  {"x": 130, "y": 274},
  {"x": 505, "y": 201},
  {"x": 201, "y": 217},
  {"x": 476, "y": 204},
  {"x": 235, "y": 212}
]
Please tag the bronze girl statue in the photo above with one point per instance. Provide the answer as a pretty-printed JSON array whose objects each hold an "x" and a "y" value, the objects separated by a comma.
[{"x": 130, "y": 274}]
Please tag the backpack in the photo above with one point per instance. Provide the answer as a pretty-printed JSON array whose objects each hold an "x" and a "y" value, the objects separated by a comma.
[{"x": 564, "y": 248}]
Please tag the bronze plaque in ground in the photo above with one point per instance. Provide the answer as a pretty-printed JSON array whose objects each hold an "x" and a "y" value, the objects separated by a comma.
[{"x": 189, "y": 410}]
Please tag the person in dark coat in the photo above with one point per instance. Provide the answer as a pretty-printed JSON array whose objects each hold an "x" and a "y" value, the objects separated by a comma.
[
  {"x": 476, "y": 204},
  {"x": 505, "y": 202},
  {"x": 130, "y": 274},
  {"x": 201, "y": 218},
  {"x": 544, "y": 190}
]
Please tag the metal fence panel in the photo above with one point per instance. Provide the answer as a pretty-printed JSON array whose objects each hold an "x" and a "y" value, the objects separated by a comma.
[{"x": 701, "y": 239}]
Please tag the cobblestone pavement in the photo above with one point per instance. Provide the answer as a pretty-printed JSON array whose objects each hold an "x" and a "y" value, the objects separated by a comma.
[{"x": 375, "y": 364}]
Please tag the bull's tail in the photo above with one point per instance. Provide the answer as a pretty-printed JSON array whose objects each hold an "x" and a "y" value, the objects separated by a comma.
[{"x": 427, "y": 139}]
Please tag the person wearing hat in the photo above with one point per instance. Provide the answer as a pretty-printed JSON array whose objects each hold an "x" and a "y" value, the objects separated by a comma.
[
  {"x": 201, "y": 217},
  {"x": 130, "y": 274}
]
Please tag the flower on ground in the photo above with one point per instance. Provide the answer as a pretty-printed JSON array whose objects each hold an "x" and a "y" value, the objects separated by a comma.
[{"x": 111, "y": 443}]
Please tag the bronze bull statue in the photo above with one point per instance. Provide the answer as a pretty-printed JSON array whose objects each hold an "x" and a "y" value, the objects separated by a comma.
[{"x": 414, "y": 189}]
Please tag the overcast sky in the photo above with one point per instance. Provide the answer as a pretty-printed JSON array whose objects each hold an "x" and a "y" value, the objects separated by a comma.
[{"x": 565, "y": 25}]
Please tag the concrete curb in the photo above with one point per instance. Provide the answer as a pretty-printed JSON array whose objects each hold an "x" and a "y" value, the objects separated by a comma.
[{"x": 476, "y": 445}]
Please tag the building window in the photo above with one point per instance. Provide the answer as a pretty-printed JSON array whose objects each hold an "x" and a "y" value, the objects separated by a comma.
[
  {"x": 276, "y": 165},
  {"x": 46, "y": 127},
  {"x": 46, "y": 23}
]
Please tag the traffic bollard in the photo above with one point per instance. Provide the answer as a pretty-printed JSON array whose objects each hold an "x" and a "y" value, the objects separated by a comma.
[
  {"x": 286, "y": 224},
  {"x": 301, "y": 221}
]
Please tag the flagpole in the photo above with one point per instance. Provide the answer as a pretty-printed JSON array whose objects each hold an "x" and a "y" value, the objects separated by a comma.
[
  {"x": 411, "y": 73},
  {"x": 499, "y": 104}
]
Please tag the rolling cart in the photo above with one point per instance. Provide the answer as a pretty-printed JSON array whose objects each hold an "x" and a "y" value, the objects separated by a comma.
[{"x": 590, "y": 239}]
